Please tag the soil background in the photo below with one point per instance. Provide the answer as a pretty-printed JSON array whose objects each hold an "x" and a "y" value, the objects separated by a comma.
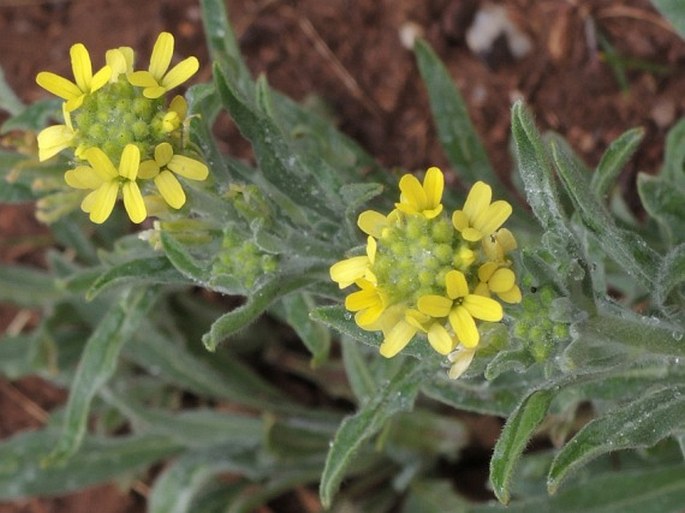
[{"x": 350, "y": 54}]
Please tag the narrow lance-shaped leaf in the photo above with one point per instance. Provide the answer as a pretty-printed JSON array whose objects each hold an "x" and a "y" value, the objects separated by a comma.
[
  {"x": 223, "y": 45},
  {"x": 457, "y": 135},
  {"x": 98, "y": 363},
  {"x": 627, "y": 250},
  {"x": 665, "y": 202},
  {"x": 175, "y": 488},
  {"x": 256, "y": 304},
  {"x": 514, "y": 438},
  {"x": 640, "y": 424},
  {"x": 100, "y": 460},
  {"x": 674, "y": 154},
  {"x": 671, "y": 273},
  {"x": 142, "y": 270},
  {"x": 398, "y": 395},
  {"x": 277, "y": 161},
  {"x": 614, "y": 159},
  {"x": 536, "y": 173},
  {"x": 8, "y": 100}
]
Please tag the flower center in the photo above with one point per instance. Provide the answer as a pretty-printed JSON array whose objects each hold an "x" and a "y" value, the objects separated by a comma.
[
  {"x": 117, "y": 115},
  {"x": 414, "y": 254}
]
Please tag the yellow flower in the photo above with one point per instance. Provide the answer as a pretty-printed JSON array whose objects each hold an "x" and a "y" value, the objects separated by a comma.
[
  {"x": 178, "y": 108},
  {"x": 480, "y": 218},
  {"x": 120, "y": 60},
  {"x": 498, "y": 245},
  {"x": 461, "y": 307},
  {"x": 500, "y": 280},
  {"x": 86, "y": 82},
  {"x": 105, "y": 181},
  {"x": 422, "y": 198},
  {"x": 369, "y": 303},
  {"x": 53, "y": 139},
  {"x": 162, "y": 170},
  {"x": 157, "y": 80},
  {"x": 348, "y": 271}
]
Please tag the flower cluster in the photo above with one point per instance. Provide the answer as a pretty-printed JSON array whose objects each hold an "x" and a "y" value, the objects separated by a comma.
[
  {"x": 124, "y": 138},
  {"x": 425, "y": 272}
]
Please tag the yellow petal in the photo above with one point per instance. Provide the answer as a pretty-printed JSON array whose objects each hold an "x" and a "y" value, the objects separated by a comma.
[
  {"x": 103, "y": 202},
  {"x": 170, "y": 189},
  {"x": 154, "y": 92},
  {"x": 459, "y": 220},
  {"x": 163, "y": 154},
  {"x": 418, "y": 319},
  {"x": 89, "y": 202},
  {"x": 130, "y": 161},
  {"x": 52, "y": 140},
  {"x": 433, "y": 185},
  {"x": 59, "y": 86},
  {"x": 478, "y": 200},
  {"x": 180, "y": 73},
  {"x": 434, "y": 305},
  {"x": 83, "y": 177},
  {"x": 511, "y": 296},
  {"x": 369, "y": 316},
  {"x": 439, "y": 339},
  {"x": 188, "y": 168},
  {"x": 101, "y": 78},
  {"x": 81, "y": 66},
  {"x": 346, "y": 272},
  {"x": 148, "y": 169},
  {"x": 483, "y": 308},
  {"x": 161, "y": 55},
  {"x": 482, "y": 290},
  {"x": 117, "y": 61},
  {"x": 371, "y": 248},
  {"x": 133, "y": 202},
  {"x": 461, "y": 360},
  {"x": 179, "y": 105},
  {"x": 492, "y": 217},
  {"x": 471, "y": 234},
  {"x": 455, "y": 283},
  {"x": 101, "y": 164},
  {"x": 502, "y": 280},
  {"x": 486, "y": 271},
  {"x": 372, "y": 223},
  {"x": 365, "y": 298},
  {"x": 74, "y": 103},
  {"x": 413, "y": 192},
  {"x": 464, "y": 326},
  {"x": 397, "y": 339},
  {"x": 432, "y": 213},
  {"x": 142, "y": 79}
]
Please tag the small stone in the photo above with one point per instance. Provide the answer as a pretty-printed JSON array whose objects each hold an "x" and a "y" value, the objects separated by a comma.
[{"x": 663, "y": 113}]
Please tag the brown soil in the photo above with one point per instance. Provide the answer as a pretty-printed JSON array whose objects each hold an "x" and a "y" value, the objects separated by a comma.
[{"x": 349, "y": 53}]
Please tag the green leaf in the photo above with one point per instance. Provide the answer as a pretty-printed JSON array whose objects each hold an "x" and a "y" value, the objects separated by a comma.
[
  {"x": 614, "y": 159},
  {"x": 142, "y": 270},
  {"x": 34, "y": 117},
  {"x": 640, "y": 424},
  {"x": 665, "y": 202},
  {"x": 626, "y": 249},
  {"x": 396, "y": 396},
  {"x": 515, "y": 436},
  {"x": 15, "y": 192},
  {"x": 99, "y": 460},
  {"x": 186, "y": 263},
  {"x": 357, "y": 370},
  {"x": 315, "y": 337},
  {"x": 257, "y": 302},
  {"x": 98, "y": 363},
  {"x": 673, "y": 169},
  {"x": 538, "y": 178},
  {"x": 673, "y": 11},
  {"x": 151, "y": 350},
  {"x": 457, "y": 135},
  {"x": 27, "y": 286},
  {"x": 9, "y": 101},
  {"x": 223, "y": 45},
  {"x": 671, "y": 273},
  {"x": 280, "y": 166},
  {"x": 175, "y": 489}
]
